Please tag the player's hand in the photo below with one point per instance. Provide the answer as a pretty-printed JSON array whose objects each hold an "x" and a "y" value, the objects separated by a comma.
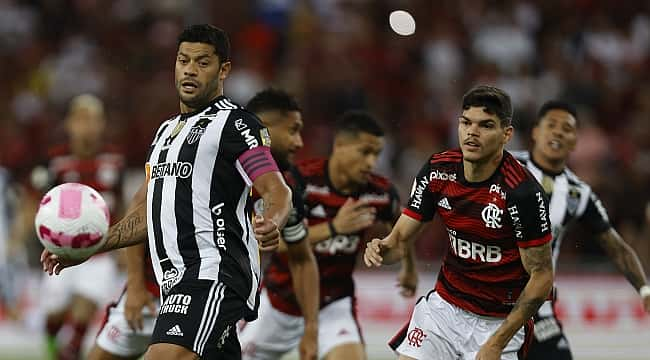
[
  {"x": 53, "y": 264},
  {"x": 374, "y": 251},
  {"x": 354, "y": 216},
  {"x": 308, "y": 348},
  {"x": 489, "y": 351},
  {"x": 266, "y": 233},
  {"x": 407, "y": 280},
  {"x": 137, "y": 298}
]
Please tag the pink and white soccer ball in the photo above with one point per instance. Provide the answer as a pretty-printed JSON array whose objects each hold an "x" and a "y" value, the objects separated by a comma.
[{"x": 72, "y": 221}]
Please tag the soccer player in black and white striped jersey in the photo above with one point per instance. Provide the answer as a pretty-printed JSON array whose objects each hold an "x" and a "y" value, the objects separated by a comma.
[
  {"x": 571, "y": 200},
  {"x": 196, "y": 210}
]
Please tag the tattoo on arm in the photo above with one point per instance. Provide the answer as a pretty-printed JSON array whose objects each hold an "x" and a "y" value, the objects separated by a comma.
[
  {"x": 535, "y": 260},
  {"x": 132, "y": 229},
  {"x": 624, "y": 257}
]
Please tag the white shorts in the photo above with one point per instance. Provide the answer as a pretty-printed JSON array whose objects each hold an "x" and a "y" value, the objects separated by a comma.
[
  {"x": 96, "y": 280},
  {"x": 440, "y": 330},
  {"x": 118, "y": 338},
  {"x": 275, "y": 333}
]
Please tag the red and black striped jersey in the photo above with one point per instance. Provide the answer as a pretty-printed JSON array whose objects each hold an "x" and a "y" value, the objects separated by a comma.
[
  {"x": 487, "y": 222},
  {"x": 103, "y": 172},
  {"x": 336, "y": 256}
]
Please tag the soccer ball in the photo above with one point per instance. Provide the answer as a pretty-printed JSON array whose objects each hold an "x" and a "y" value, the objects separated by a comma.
[{"x": 72, "y": 221}]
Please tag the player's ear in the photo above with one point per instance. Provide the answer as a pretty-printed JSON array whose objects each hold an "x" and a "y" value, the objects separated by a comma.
[
  {"x": 224, "y": 70},
  {"x": 507, "y": 134}
]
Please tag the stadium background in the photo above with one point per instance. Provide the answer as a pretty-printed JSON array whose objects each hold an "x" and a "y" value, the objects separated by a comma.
[{"x": 340, "y": 54}]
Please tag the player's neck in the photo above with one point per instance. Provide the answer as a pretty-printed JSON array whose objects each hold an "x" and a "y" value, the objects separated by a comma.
[
  {"x": 482, "y": 170},
  {"x": 339, "y": 180},
  {"x": 186, "y": 109},
  {"x": 84, "y": 150},
  {"x": 547, "y": 165}
]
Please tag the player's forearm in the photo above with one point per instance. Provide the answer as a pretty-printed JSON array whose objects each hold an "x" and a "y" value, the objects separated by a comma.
[
  {"x": 304, "y": 275},
  {"x": 624, "y": 257},
  {"x": 318, "y": 233},
  {"x": 135, "y": 276},
  {"x": 129, "y": 231},
  {"x": 277, "y": 204},
  {"x": 532, "y": 297},
  {"x": 408, "y": 259}
]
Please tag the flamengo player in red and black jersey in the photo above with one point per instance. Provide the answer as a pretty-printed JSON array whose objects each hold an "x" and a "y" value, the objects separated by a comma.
[
  {"x": 343, "y": 199},
  {"x": 71, "y": 301},
  {"x": 280, "y": 113},
  {"x": 498, "y": 269}
]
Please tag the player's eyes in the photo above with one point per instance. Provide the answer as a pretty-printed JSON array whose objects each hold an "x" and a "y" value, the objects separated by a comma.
[
  {"x": 204, "y": 63},
  {"x": 182, "y": 61}
]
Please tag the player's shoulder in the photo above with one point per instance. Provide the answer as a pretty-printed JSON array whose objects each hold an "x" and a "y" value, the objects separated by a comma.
[
  {"x": 516, "y": 176},
  {"x": 379, "y": 183},
  {"x": 452, "y": 156},
  {"x": 58, "y": 150},
  {"x": 576, "y": 182},
  {"x": 311, "y": 168},
  {"x": 521, "y": 155}
]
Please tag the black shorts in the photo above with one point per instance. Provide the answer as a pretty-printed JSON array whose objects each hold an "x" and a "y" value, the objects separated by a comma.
[
  {"x": 201, "y": 316},
  {"x": 549, "y": 341}
]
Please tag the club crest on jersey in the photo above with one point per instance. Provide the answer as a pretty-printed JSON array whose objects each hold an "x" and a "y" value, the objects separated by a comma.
[
  {"x": 573, "y": 200},
  {"x": 197, "y": 130},
  {"x": 266, "y": 138},
  {"x": 491, "y": 215},
  {"x": 171, "y": 277}
]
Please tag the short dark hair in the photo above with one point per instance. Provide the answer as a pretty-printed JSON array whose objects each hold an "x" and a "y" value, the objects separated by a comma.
[
  {"x": 354, "y": 122},
  {"x": 208, "y": 34},
  {"x": 494, "y": 100},
  {"x": 272, "y": 99},
  {"x": 556, "y": 105}
]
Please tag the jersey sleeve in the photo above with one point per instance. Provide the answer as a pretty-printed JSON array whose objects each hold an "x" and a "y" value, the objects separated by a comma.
[
  {"x": 247, "y": 144},
  {"x": 421, "y": 202},
  {"x": 595, "y": 215},
  {"x": 528, "y": 211}
]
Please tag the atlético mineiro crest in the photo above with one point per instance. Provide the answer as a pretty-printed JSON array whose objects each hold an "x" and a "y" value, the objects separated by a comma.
[
  {"x": 197, "y": 130},
  {"x": 416, "y": 336}
]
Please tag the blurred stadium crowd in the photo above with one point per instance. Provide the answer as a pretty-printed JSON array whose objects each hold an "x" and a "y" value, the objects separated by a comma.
[{"x": 340, "y": 54}]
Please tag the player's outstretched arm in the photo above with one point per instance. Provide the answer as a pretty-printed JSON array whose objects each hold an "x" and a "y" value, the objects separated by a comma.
[
  {"x": 277, "y": 203},
  {"x": 537, "y": 262},
  {"x": 304, "y": 275},
  {"x": 393, "y": 247},
  {"x": 131, "y": 230},
  {"x": 627, "y": 262}
]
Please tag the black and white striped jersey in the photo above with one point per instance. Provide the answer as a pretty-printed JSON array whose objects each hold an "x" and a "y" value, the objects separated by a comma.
[
  {"x": 200, "y": 170},
  {"x": 571, "y": 199}
]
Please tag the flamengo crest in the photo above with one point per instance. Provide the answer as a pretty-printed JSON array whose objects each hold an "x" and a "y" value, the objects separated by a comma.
[{"x": 491, "y": 215}]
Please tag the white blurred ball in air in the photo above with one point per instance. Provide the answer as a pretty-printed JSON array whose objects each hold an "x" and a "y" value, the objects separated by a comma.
[{"x": 402, "y": 22}]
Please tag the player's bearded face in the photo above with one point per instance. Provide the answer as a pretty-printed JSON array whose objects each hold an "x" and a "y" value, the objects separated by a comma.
[
  {"x": 555, "y": 135},
  {"x": 359, "y": 155},
  {"x": 481, "y": 135},
  {"x": 198, "y": 74},
  {"x": 286, "y": 140}
]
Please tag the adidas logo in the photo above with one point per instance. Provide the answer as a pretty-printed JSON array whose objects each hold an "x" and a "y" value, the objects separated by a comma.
[
  {"x": 176, "y": 331},
  {"x": 318, "y": 211},
  {"x": 444, "y": 203}
]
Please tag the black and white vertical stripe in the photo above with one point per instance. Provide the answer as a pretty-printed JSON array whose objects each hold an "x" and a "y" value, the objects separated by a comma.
[
  {"x": 183, "y": 229},
  {"x": 568, "y": 200},
  {"x": 210, "y": 314}
]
